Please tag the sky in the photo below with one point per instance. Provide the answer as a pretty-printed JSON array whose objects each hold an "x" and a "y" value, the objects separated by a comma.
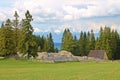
[{"x": 56, "y": 15}]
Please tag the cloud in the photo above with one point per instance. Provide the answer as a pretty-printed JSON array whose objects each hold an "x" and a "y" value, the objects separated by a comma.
[
  {"x": 71, "y": 26},
  {"x": 37, "y": 30},
  {"x": 85, "y": 26},
  {"x": 60, "y": 10},
  {"x": 2, "y": 17},
  {"x": 95, "y": 26},
  {"x": 5, "y": 13},
  {"x": 40, "y": 9},
  {"x": 57, "y": 31},
  {"x": 68, "y": 9},
  {"x": 68, "y": 17},
  {"x": 115, "y": 27},
  {"x": 57, "y": 15},
  {"x": 92, "y": 8}
]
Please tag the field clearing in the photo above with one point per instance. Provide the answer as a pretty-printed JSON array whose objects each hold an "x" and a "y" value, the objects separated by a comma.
[{"x": 27, "y": 70}]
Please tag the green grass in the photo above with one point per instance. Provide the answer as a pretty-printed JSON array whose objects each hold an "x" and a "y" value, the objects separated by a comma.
[{"x": 27, "y": 70}]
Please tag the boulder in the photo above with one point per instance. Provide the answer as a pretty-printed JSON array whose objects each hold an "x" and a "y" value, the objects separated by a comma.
[
  {"x": 63, "y": 56},
  {"x": 42, "y": 55},
  {"x": 66, "y": 53}
]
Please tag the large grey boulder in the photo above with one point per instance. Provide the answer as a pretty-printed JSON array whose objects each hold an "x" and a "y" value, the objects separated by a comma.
[{"x": 63, "y": 56}]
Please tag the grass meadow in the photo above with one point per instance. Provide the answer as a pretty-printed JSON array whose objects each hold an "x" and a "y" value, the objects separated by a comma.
[{"x": 27, "y": 70}]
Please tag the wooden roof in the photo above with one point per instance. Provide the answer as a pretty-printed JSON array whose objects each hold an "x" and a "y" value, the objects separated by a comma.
[{"x": 100, "y": 54}]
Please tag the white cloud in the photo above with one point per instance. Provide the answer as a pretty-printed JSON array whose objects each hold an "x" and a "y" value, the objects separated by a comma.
[
  {"x": 71, "y": 26},
  {"x": 65, "y": 9},
  {"x": 5, "y": 13},
  {"x": 115, "y": 27},
  {"x": 58, "y": 11},
  {"x": 78, "y": 27},
  {"x": 68, "y": 17},
  {"x": 41, "y": 9},
  {"x": 37, "y": 30},
  {"x": 95, "y": 26},
  {"x": 2, "y": 17},
  {"x": 93, "y": 8},
  {"x": 57, "y": 31},
  {"x": 47, "y": 30}
]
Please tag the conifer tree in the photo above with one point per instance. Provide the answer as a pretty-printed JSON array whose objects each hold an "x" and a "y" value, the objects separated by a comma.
[
  {"x": 7, "y": 45},
  {"x": 16, "y": 21},
  {"x": 85, "y": 43},
  {"x": 46, "y": 45},
  {"x": 42, "y": 42},
  {"x": 115, "y": 44},
  {"x": 50, "y": 43},
  {"x": 81, "y": 43},
  {"x": 67, "y": 41},
  {"x": 75, "y": 46},
  {"x": 16, "y": 30},
  {"x": 27, "y": 44},
  {"x": 88, "y": 38},
  {"x": 63, "y": 39},
  {"x": 92, "y": 41},
  {"x": 105, "y": 42}
]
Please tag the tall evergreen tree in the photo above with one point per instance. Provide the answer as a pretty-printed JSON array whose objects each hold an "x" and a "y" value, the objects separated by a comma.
[
  {"x": 16, "y": 21},
  {"x": 27, "y": 43},
  {"x": 42, "y": 42},
  {"x": 7, "y": 45},
  {"x": 16, "y": 30},
  {"x": 115, "y": 44},
  {"x": 92, "y": 41},
  {"x": 50, "y": 43},
  {"x": 81, "y": 43},
  {"x": 85, "y": 44},
  {"x": 63, "y": 39},
  {"x": 46, "y": 44},
  {"x": 88, "y": 39},
  {"x": 75, "y": 45},
  {"x": 105, "y": 42},
  {"x": 67, "y": 41}
]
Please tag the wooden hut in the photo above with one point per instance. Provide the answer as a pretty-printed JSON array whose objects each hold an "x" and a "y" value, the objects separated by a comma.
[{"x": 98, "y": 54}]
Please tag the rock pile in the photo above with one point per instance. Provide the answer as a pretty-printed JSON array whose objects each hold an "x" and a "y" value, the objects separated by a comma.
[{"x": 63, "y": 56}]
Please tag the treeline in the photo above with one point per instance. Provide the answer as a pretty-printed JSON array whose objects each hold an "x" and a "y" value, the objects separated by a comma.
[
  {"x": 17, "y": 36},
  {"x": 108, "y": 40},
  {"x": 45, "y": 44}
]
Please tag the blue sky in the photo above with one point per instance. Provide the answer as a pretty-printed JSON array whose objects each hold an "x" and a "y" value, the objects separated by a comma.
[{"x": 56, "y": 15}]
